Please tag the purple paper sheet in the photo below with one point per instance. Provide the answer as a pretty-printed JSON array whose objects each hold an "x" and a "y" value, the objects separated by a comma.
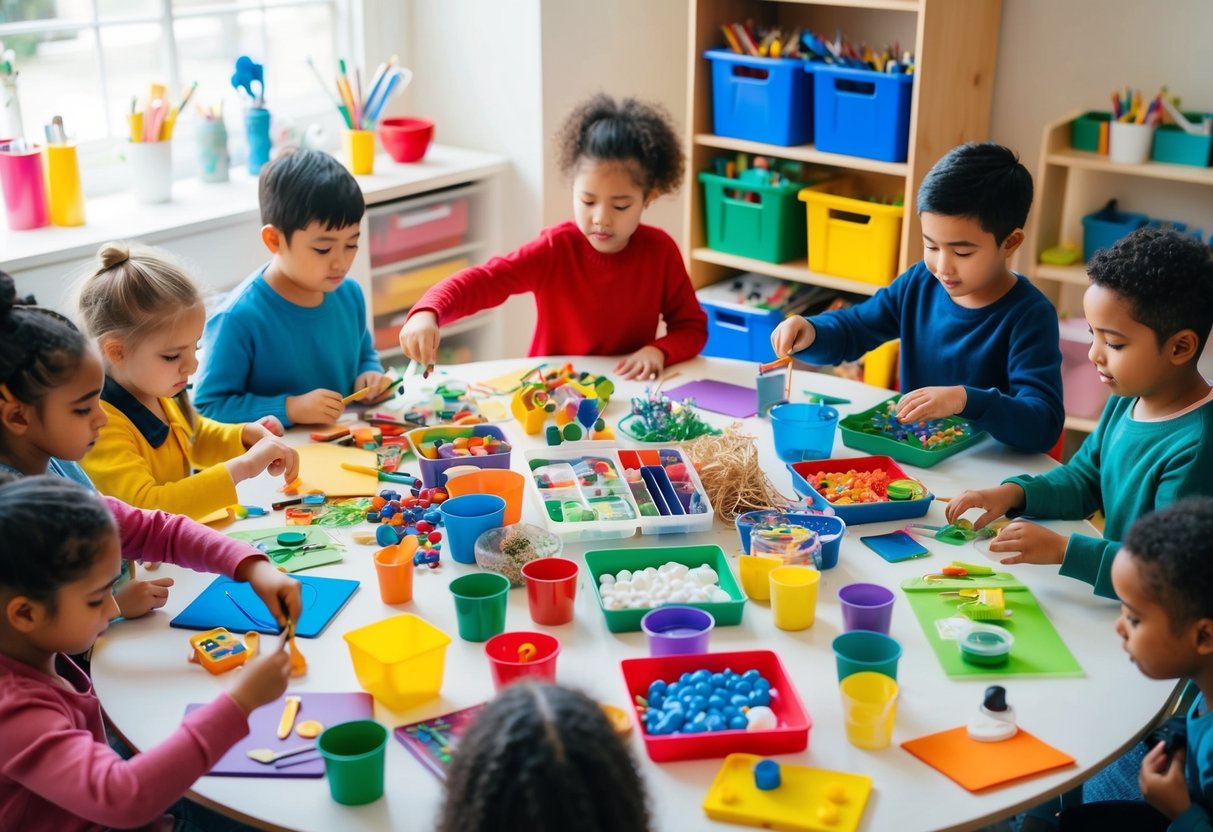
[
  {"x": 718, "y": 397},
  {"x": 326, "y": 708}
]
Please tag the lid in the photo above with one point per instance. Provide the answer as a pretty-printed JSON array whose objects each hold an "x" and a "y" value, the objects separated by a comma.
[{"x": 985, "y": 640}]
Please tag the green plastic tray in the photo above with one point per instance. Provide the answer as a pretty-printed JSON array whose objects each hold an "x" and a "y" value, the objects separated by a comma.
[
  {"x": 600, "y": 561},
  {"x": 903, "y": 450}
]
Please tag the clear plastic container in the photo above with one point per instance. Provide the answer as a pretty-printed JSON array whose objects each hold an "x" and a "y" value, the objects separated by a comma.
[
  {"x": 506, "y": 549},
  {"x": 793, "y": 544}
]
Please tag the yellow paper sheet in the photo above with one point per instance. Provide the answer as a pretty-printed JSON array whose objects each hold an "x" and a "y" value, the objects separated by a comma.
[{"x": 320, "y": 470}]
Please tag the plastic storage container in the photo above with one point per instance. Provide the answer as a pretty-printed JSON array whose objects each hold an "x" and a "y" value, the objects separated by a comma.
[
  {"x": 850, "y": 236},
  {"x": 1174, "y": 146},
  {"x": 762, "y": 99},
  {"x": 790, "y": 735},
  {"x": 1090, "y": 132},
  {"x": 417, "y": 226},
  {"x": 1083, "y": 394},
  {"x": 907, "y": 450},
  {"x": 772, "y": 228},
  {"x": 856, "y": 513},
  {"x": 399, "y": 660},
  {"x": 740, "y": 329},
  {"x": 602, "y": 561},
  {"x": 860, "y": 112},
  {"x": 830, "y": 530},
  {"x": 1107, "y": 225},
  {"x": 398, "y": 292},
  {"x": 433, "y": 471}
]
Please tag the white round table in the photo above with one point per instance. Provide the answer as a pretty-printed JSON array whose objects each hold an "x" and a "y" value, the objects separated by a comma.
[{"x": 144, "y": 682}]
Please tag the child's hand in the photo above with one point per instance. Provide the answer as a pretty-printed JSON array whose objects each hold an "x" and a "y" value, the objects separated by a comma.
[
  {"x": 262, "y": 680},
  {"x": 419, "y": 337},
  {"x": 645, "y": 363},
  {"x": 270, "y": 454},
  {"x": 273, "y": 425},
  {"x": 280, "y": 593},
  {"x": 138, "y": 598},
  {"x": 319, "y": 407},
  {"x": 263, "y": 427},
  {"x": 1034, "y": 543},
  {"x": 793, "y": 335},
  {"x": 374, "y": 380},
  {"x": 996, "y": 501},
  {"x": 1162, "y": 781},
  {"x": 931, "y": 403}
]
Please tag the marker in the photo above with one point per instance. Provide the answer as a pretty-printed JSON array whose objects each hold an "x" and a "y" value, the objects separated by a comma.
[{"x": 357, "y": 395}]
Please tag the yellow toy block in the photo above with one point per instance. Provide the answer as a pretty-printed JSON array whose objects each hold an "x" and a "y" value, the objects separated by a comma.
[{"x": 806, "y": 799}]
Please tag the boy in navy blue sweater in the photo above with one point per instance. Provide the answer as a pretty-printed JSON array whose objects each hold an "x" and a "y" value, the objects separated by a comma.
[{"x": 977, "y": 340}]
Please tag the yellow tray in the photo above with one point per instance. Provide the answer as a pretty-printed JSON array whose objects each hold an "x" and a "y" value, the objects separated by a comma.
[{"x": 808, "y": 799}]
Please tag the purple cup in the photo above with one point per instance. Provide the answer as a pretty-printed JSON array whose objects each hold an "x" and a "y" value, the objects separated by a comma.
[
  {"x": 674, "y": 630},
  {"x": 866, "y": 607}
]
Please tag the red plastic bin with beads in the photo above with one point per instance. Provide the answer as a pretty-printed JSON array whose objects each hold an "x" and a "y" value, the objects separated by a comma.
[{"x": 856, "y": 513}]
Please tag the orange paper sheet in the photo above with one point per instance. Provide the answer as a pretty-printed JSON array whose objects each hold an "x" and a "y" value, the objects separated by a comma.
[
  {"x": 320, "y": 470},
  {"x": 983, "y": 765}
]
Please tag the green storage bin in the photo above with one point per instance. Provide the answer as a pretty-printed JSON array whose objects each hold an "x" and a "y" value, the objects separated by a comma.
[
  {"x": 1174, "y": 146},
  {"x": 857, "y": 432},
  {"x": 601, "y": 561},
  {"x": 772, "y": 229},
  {"x": 1084, "y": 130}
]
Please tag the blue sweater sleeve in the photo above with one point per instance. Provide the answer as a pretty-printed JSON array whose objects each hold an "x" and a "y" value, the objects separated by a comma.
[
  {"x": 229, "y": 347},
  {"x": 846, "y": 334},
  {"x": 368, "y": 356}
]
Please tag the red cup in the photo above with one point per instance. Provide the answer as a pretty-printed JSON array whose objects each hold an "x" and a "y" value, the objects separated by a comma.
[
  {"x": 522, "y": 655},
  {"x": 551, "y": 586}
]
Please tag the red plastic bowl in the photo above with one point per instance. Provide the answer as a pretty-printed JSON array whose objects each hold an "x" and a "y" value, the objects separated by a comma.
[{"x": 406, "y": 139}]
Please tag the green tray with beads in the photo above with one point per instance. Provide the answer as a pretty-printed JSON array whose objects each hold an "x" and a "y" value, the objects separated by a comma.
[{"x": 859, "y": 431}]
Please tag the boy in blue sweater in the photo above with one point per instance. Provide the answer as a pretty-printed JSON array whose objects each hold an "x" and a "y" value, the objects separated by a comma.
[
  {"x": 292, "y": 340},
  {"x": 977, "y": 340},
  {"x": 1165, "y": 586},
  {"x": 1150, "y": 309}
]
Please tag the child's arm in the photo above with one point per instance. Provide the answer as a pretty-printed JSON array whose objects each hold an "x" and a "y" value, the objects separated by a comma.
[
  {"x": 1163, "y": 786},
  {"x": 222, "y": 386},
  {"x": 217, "y": 442},
  {"x": 686, "y": 324},
  {"x": 846, "y": 334}
]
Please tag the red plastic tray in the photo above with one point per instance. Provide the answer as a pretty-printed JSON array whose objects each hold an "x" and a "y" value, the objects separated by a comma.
[
  {"x": 857, "y": 513},
  {"x": 794, "y": 723}
]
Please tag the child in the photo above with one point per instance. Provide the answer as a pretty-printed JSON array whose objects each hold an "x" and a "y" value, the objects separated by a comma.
[
  {"x": 51, "y": 414},
  {"x": 1150, "y": 309},
  {"x": 542, "y": 758},
  {"x": 601, "y": 280},
  {"x": 291, "y": 340},
  {"x": 146, "y": 316},
  {"x": 1165, "y": 586},
  {"x": 977, "y": 340},
  {"x": 55, "y": 593}
]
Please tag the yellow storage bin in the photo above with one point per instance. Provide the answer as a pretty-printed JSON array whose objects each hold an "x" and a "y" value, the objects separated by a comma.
[
  {"x": 880, "y": 365},
  {"x": 396, "y": 292},
  {"x": 399, "y": 660},
  {"x": 850, "y": 236}
]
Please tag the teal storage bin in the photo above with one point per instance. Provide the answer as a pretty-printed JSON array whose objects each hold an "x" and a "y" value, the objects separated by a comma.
[
  {"x": 1107, "y": 225},
  {"x": 1085, "y": 130},
  {"x": 772, "y": 229},
  {"x": 1173, "y": 146}
]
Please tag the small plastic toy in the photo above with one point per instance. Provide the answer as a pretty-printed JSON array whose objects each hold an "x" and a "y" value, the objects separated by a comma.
[
  {"x": 774, "y": 387},
  {"x": 995, "y": 719},
  {"x": 218, "y": 650},
  {"x": 562, "y": 393}
]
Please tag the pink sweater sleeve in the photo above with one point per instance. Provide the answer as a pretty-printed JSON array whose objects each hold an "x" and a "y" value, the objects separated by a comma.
[
  {"x": 174, "y": 538},
  {"x": 68, "y": 767}
]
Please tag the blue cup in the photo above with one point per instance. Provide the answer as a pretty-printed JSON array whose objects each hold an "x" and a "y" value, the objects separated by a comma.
[
  {"x": 467, "y": 517},
  {"x": 257, "y": 135},
  {"x": 803, "y": 431}
]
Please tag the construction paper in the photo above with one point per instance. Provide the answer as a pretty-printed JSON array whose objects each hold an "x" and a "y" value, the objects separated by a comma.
[
  {"x": 320, "y": 470},
  {"x": 297, "y": 560},
  {"x": 718, "y": 397},
  {"x": 234, "y": 605},
  {"x": 433, "y": 741},
  {"x": 982, "y": 765},
  {"x": 895, "y": 547}
]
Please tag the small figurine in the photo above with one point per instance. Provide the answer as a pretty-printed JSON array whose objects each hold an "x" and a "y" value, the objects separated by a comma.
[{"x": 995, "y": 720}]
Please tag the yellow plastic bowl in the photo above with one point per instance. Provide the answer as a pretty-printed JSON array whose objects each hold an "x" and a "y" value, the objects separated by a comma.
[{"x": 399, "y": 660}]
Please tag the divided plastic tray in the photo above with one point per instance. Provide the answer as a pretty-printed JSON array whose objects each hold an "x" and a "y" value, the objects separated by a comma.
[
  {"x": 854, "y": 514},
  {"x": 909, "y": 451}
]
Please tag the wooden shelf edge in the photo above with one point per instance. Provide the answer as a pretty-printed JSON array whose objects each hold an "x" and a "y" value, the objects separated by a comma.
[
  {"x": 803, "y": 153},
  {"x": 1075, "y": 275},
  {"x": 888, "y": 5},
  {"x": 1068, "y": 157},
  {"x": 797, "y": 270}
]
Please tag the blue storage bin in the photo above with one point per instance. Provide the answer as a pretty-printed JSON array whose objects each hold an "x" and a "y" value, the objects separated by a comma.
[
  {"x": 740, "y": 332},
  {"x": 762, "y": 99},
  {"x": 1107, "y": 225},
  {"x": 861, "y": 112}
]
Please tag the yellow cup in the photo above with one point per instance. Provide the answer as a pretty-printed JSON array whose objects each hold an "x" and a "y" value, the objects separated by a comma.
[
  {"x": 869, "y": 706},
  {"x": 794, "y": 596},
  {"x": 359, "y": 147},
  {"x": 753, "y": 571},
  {"x": 63, "y": 185}
]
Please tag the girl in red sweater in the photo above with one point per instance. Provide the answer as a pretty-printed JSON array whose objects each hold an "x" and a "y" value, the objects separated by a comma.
[{"x": 602, "y": 280}]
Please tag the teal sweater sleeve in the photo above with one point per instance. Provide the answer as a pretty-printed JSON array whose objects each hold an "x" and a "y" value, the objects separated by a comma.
[{"x": 1198, "y": 771}]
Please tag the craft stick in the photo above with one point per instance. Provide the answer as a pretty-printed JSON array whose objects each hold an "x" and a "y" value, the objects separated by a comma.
[{"x": 775, "y": 365}]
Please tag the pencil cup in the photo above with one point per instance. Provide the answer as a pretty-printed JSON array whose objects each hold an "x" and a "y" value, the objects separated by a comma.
[
  {"x": 151, "y": 171},
  {"x": 1130, "y": 143},
  {"x": 24, "y": 189},
  {"x": 359, "y": 149},
  {"x": 63, "y": 189},
  {"x": 257, "y": 135},
  {"x": 213, "y": 158}
]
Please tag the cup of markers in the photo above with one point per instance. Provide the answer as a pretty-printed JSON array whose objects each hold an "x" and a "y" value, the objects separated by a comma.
[
  {"x": 149, "y": 150},
  {"x": 361, "y": 107}
]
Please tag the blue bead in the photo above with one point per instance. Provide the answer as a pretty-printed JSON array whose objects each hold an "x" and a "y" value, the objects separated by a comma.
[
  {"x": 767, "y": 776},
  {"x": 760, "y": 697},
  {"x": 744, "y": 687},
  {"x": 718, "y": 679},
  {"x": 433, "y": 516},
  {"x": 656, "y": 700},
  {"x": 698, "y": 705},
  {"x": 739, "y": 700},
  {"x": 716, "y": 723},
  {"x": 762, "y": 684},
  {"x": 684, "y": 679},
  {"x": 658, "y": 686},
  {"x": 703, "y": 689},
  {"x": 701, "y": 676},
  {"x": 717, "y": 701},
  {"x": 738, "y": 723},
  {"x": 751, "y": 675},
  {"x": 386, "y": 536},
  {"x": 730, "y": 711},
  {"x": 387, "y": 512}
]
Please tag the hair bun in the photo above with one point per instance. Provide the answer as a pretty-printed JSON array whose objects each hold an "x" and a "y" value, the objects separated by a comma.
[
  {"x": 9, "y": 297},
  {"x": 114, "y": 254}
]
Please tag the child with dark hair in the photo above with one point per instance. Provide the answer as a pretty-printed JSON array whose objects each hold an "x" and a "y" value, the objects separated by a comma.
[
  {"x": 602, "y": 281},
  {"x": 56, "y": 599},
  {"x": 1165, "y": 586},
  {"x": 291, "y": 340},
  {"x": 977, "y": 340},
  {"x": 542, "y": 758},
  {"x": 1150, "y": 310}
]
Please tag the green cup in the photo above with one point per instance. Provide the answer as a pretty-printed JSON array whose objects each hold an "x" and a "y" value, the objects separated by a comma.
[
  {"x": 353, "y": 755},
  {"x": 480, "y": 605}
]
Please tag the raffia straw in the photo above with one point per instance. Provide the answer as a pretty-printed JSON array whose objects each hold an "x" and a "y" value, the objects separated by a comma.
[{"x": 731, "y": 475}]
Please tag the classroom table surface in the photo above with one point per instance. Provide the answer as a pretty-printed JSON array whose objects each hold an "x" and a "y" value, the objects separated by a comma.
[{"x": 145, "y": 683}]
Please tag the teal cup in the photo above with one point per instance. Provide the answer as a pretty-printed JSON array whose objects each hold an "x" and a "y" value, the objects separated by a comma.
[
  {"x": 465, "y": 518},
  {"x": 353, "y": 755},
  {"x": 480, "y": 601},
  {"x": 865, "y": 650}
]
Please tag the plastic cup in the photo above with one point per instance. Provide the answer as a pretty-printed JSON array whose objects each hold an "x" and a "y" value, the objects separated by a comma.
[
  {"x": 863, "y": 651},
  {"x": 480, "y": 605},
  {"x": 24, "y": 189},
  {"x": 803, "y": 431},
  {"x": 794, "y": 596},
  {"x": 394, "y": 568},
  {"x": 754, "y": 572},
  {"x": 866, "y": 607},
  {"x": 504, "y": 483},
  {"x": 359, "y": 149},
  {"x": 675, "y": 630},
  {"x": 151, "y": 171},
  {"x": 213, "y": 158},
  {"x": 1130, "y": 143},
  {"x": 353, "y": 755},
  {"x": 551, "y": 587},
  {"x": 522, "y": 655},
  {"x": 869, "y": 708},
  {"x": 466, "y": 518},
  {"x": 63, "y": 191},
  {"x": 257, "y": 136}
]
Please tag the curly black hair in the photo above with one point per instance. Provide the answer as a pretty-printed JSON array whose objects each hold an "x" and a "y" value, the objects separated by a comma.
[
  {"x": 1166, "y": 277},
  {"x": 1174, "y": 547},
  {"x": 982, "y": 180},
  {"x": 637, "y": 133},
  {"x": 305, "y": 185},
  {"x": 40, "y": 556},
  {"x": 543, "y": 758},
  {"x": 39, "y": 348}
]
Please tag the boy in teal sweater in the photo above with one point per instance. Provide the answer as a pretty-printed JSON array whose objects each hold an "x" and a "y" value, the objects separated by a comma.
[{"x": 1150, "y": 309}]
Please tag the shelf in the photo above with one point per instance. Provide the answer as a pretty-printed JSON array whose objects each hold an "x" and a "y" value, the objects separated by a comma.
[
  {"x": 1080, "y": 424},
  {"x": 426, "y": 259},
  {"x": 891, "y": 5},
  {"x": 1153, "y": 170},
  {"x": 1075, "y": 275},
  {"x": 802, "y": 153},
  {"x": 797, "y": 270}
]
